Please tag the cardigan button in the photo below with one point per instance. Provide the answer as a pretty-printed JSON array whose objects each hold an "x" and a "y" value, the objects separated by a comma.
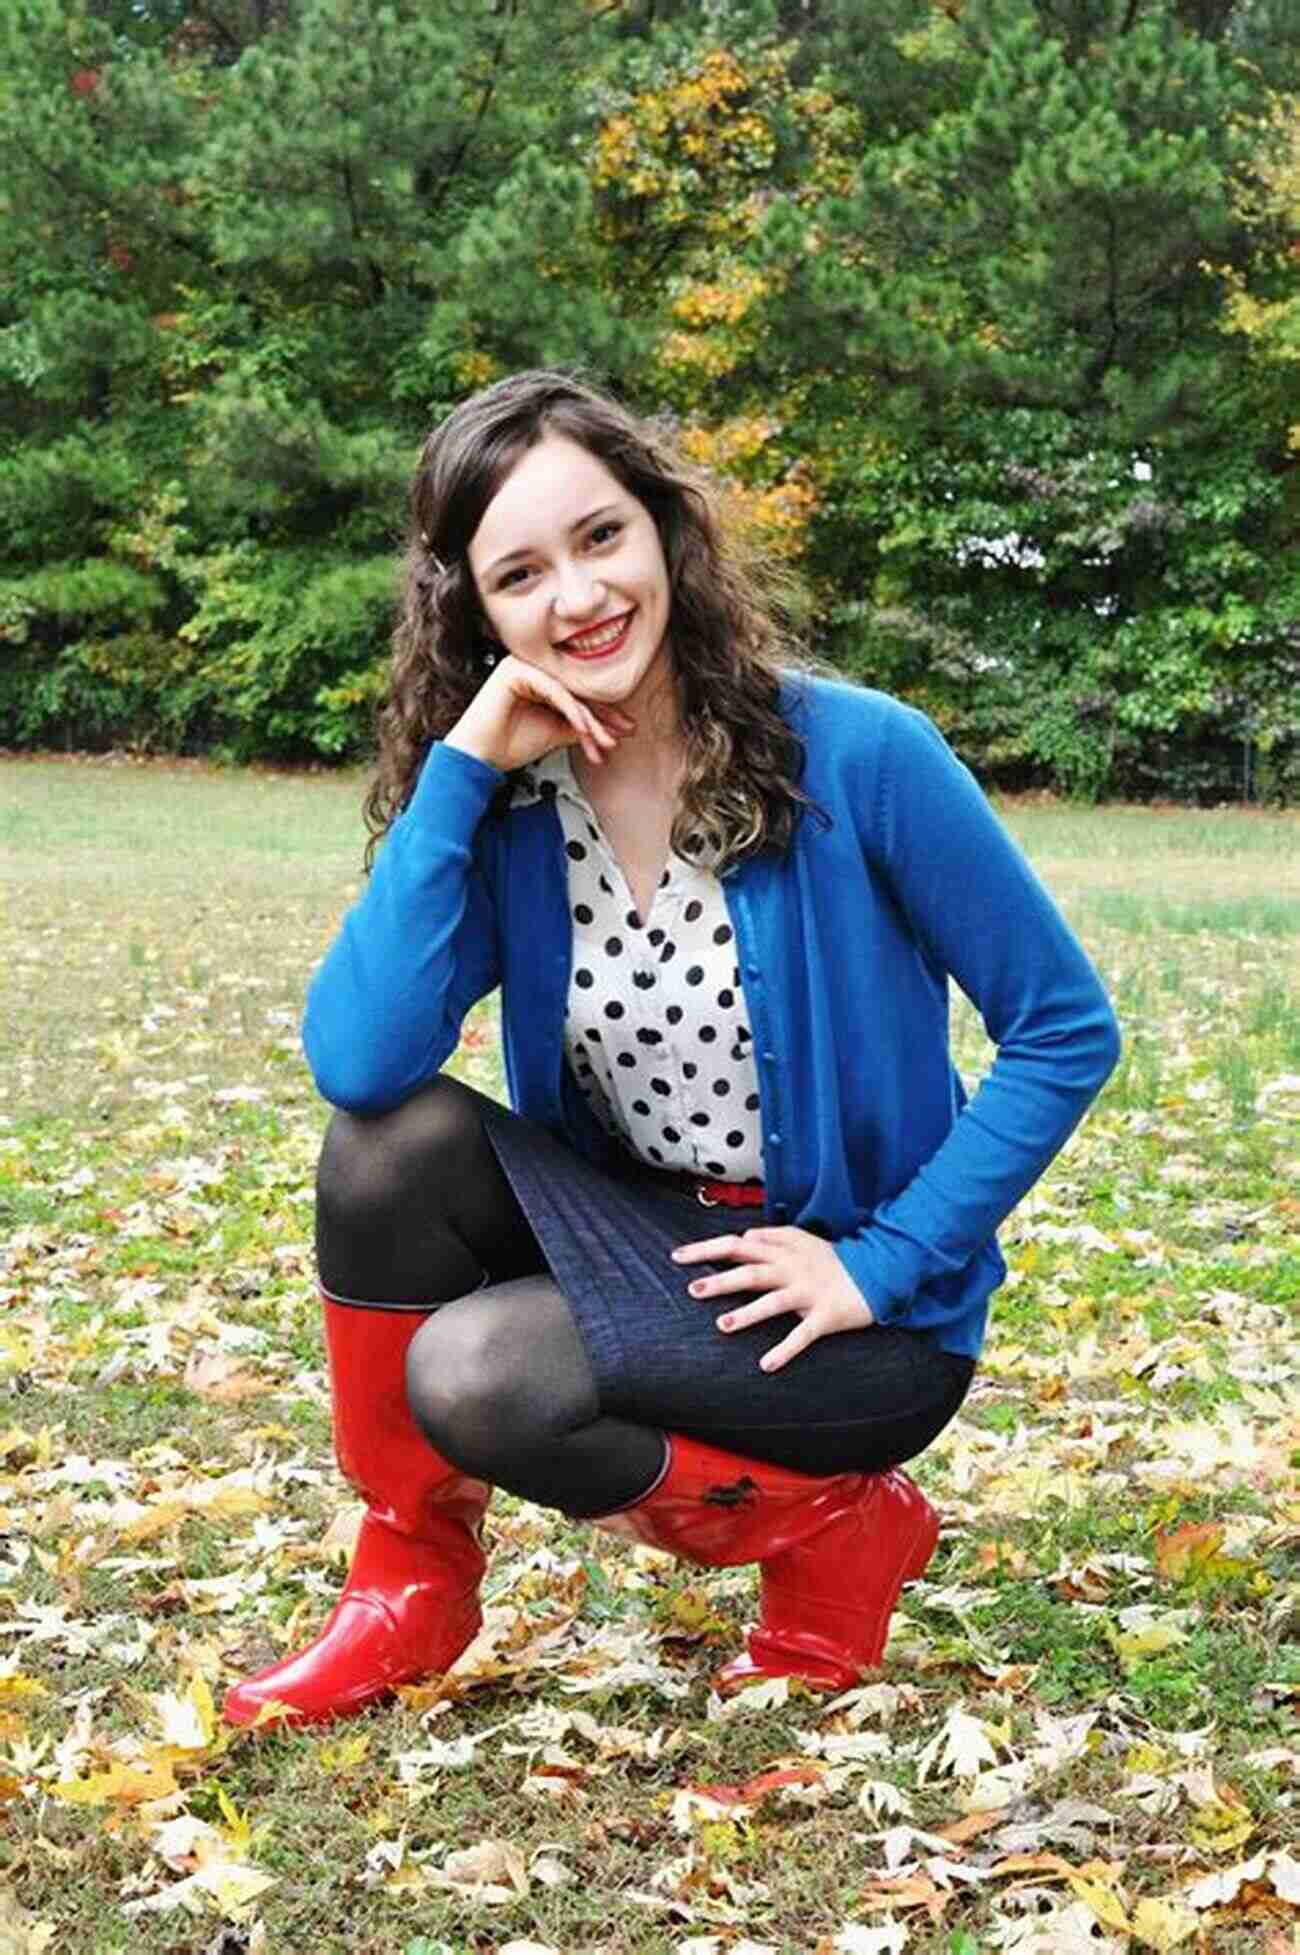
[{"x": 774, "y": 1140}]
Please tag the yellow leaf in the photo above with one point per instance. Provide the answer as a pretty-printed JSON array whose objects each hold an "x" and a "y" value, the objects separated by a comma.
[
  {"x": 200, "y": 1695},
  {"x": 1136, "y": 1646},
  {"x": 1103, "y": 1901},
  {"x": 233, "y": 1888},
  {"x": 17, "y": 1685},
  {"x": 238, "y": 1830},
  {"x": 1162, "y": 1924},
  {"x": 129, "y": 1785},
  {"x": 1220, "y": 1827},
  {"x": 348, "y": 1752}
]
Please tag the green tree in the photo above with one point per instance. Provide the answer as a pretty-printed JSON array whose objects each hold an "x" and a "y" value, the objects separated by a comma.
[{"x": 1048, "y": 486}]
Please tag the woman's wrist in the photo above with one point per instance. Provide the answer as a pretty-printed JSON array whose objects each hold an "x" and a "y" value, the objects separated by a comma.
[{"x": 464, "y": 741}]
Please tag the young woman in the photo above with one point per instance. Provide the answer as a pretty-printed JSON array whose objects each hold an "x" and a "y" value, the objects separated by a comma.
[{"x": 729, "y": 1260}]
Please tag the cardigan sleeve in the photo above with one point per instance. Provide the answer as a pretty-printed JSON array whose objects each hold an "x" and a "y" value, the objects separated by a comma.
[
  {"x": 419, "y": 948},
  {"x": 980, "y": 915}
]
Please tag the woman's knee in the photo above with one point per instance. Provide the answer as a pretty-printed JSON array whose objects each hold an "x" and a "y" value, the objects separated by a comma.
[
  {"x": 371, "y": 1166},
  {"x": 472, "y": 1384},
  {"x": 460, "y": 1379}
]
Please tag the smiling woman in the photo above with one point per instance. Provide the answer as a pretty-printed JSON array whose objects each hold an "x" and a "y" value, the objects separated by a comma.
[
  {"x": 721, "y": 897},
  {"x": 591, "y": 593}
]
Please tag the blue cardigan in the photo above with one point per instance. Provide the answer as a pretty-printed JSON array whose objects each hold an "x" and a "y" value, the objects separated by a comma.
[{"x": 845, "y": 948}]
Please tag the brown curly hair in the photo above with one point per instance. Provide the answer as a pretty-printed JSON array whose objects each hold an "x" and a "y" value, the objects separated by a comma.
[{"x": 730, "y": 614}]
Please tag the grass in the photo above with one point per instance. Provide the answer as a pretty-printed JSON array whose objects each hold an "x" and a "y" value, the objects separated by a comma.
[{"x": 1113, "y": 1600}]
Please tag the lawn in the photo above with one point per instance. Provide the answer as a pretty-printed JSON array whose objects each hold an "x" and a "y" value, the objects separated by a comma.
[{"x": 1083, "y": 1736}]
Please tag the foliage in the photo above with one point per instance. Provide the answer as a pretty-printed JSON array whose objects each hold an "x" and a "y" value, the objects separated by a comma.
[{"x": 985, "y": 315}]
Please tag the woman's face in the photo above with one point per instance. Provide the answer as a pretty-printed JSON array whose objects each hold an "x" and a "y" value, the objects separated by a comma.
[{"x": 571, "y": 574}]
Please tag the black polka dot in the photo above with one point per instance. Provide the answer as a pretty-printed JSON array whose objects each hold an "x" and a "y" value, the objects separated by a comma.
[
  {"x": 722, "y": 1087},
  {"x": 641, "y": 1106},
  {"x": 674, "y": 1014},
  {"x": 751, "y": 1103},
  {"x": 584, "y": 980},
  {"x": 696, "y": 974},
  {"x": 647, "y": 1037},
  {"x": 632, "y": 920},
  {"x": 654, "y": 937},
  {"x": 722, "y": 935},
  {"x": 735, "y": 976},
  {"x": 613, "y": 946},
  {"x": 627, "y": 1058},
  {"x": 671, "y": 1134},
  {"x": 737, "y": 1051},
  {"x": 708, "y": 1033},
  {"x": 668, "y": 953},
  {"x": 613, "y": 1009},
  {"x": 582, "y": 914},
  {"x": 654, "y": 1154},
  {"x": 693, "y": 912},
  {"x": 661, "y": 1087},
  {"x": 743, "y": 1032},
  {"x": 593, "y": 832},
  {"x": 735, "y": 1138},
  {"x": 726, "y": 998},
  {"x": 549, "y": 790},
  {"x": 699, "y": 1120},
  {"x": 643, "y": 979},
  {"x": 607, "y": 885},
  {"x": 575, "y": 851},
  {"x": 689, "y": 1068},
  {"x": 663, "y": 880},
  {"x": 716, "y": 1167},
  {"x": 593, "y": 1033}
]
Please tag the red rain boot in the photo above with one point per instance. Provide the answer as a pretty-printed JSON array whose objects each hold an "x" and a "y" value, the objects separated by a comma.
[
  {"x": 410, "y": 1603},
  {"x": 833, "y": 1554}
]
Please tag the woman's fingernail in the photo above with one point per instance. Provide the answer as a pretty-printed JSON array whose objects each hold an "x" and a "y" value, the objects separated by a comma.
[{"x": 725, "y": 1323}]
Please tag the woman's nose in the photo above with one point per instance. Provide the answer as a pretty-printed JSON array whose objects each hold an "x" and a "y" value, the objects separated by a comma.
[{"x": 578, "y": 591}]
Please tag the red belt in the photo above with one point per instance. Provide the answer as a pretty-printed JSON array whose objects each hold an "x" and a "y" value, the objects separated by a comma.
[{"x": 720, "y": 1194}]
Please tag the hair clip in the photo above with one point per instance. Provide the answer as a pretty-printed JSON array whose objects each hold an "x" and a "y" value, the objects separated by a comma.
[{"x": 434, "y": 559}]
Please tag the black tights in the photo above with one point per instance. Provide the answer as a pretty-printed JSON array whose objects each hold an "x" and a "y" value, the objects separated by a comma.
[{"x": 412, "y": 1208}]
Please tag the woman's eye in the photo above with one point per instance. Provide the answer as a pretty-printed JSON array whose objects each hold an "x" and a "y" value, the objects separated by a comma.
[{"x": 602, "y": 532}]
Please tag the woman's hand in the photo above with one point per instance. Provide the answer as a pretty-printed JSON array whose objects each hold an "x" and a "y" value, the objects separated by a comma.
[
  {"x": 520, "y": 713},
  {"x": 795, "y": 1271}
]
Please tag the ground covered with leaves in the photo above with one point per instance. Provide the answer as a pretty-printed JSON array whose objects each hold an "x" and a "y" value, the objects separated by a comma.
[{"x": 1083, "y": 1736}]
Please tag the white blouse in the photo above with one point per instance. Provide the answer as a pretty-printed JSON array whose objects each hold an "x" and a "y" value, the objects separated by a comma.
[{"x": 655, "y": 1030}]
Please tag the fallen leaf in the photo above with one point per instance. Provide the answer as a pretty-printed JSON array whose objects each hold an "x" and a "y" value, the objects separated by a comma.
[
  {"x": 1163, "y": 1924},
  {"x": 213, "y": 1375},
  {"x": 959, "y": 1750}
]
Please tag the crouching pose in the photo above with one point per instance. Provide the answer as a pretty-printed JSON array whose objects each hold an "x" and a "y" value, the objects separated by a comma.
[{"x": 727, "y": 1263}]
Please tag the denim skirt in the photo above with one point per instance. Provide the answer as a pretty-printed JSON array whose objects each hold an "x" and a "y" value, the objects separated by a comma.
[{"x": 855, "y": 1400}]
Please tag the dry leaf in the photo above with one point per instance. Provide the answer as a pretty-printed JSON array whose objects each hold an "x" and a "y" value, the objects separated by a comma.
[
  {"x": 492, "y": 1871},
  {"x": 1163, "y": 1924},
  {"x": 223, "y": 1379},
  {"x": 20, "y": 1932},
  {"x": 959, "y": 1750}
]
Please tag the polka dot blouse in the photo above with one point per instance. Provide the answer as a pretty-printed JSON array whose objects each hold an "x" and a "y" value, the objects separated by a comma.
[{"x": 655, "y": 1030}]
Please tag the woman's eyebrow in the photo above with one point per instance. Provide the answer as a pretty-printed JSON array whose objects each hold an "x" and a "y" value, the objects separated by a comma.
[{"x": 528, "y": 549}]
